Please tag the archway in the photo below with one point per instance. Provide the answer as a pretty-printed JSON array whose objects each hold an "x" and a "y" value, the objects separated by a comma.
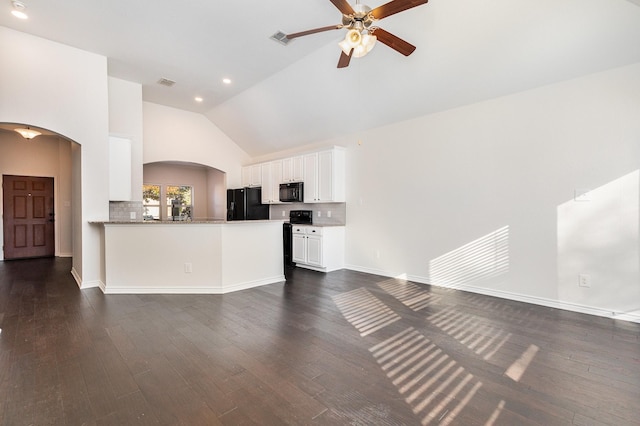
[{"x": 49, "y": 155}]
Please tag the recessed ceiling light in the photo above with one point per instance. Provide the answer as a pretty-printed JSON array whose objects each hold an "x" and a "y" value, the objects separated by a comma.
[
  {"x": 226, "y": 80},
  {"x": 19, "y": 10},
  {"x": 198, "y": 99}
]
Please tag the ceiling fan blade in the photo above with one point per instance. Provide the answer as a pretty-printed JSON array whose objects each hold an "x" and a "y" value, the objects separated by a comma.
[
  {"x": 393, "y": 41},
  {"x": 315, "y": 30},
  {"x": 394, "y": 7},
  {"x": 343, "y": 6},
  {"x": 344, "y": 60}
]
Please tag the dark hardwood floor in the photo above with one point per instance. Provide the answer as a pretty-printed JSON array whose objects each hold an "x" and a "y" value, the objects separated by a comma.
[{"x": 343, "y": 348}]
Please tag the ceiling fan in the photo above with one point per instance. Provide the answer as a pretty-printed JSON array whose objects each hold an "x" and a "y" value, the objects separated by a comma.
[{"x": 361, "y": 35}]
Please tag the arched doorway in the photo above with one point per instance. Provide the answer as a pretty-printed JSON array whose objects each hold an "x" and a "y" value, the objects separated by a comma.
[{"x": 31, "y": 165}]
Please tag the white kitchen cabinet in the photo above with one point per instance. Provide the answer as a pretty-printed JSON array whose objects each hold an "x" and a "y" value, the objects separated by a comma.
[
  {"x": 318, "y": 248},
  {"x": 246, "y": 176},
  {"x": 119, "y": 169},
  {"x": 314, "y": 250},
  {"x": 293, "y": 169},
  {"x": 299, "y": 247},
  {"x": 324, "y": 174},
  {"x": 271, "y": 177},
  {"x": 252, "y": 175}
]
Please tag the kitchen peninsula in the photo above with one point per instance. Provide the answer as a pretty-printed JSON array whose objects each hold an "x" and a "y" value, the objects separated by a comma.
[{"x": 209, "y": 257}]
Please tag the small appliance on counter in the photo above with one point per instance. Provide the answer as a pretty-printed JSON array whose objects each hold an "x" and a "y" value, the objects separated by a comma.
[
  {"x": 296, "y": 217},
  {"x": 292, "y": 192},
  {"x": 246, "y": 204}
]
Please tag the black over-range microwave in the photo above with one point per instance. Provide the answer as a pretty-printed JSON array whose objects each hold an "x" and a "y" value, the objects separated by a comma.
[{"x": 292, "y": 192}]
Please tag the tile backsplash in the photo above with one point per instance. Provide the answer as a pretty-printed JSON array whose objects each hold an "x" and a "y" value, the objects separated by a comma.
[
  {"x": 321, "y": 212},
  {"x": 120, "y": 211}
]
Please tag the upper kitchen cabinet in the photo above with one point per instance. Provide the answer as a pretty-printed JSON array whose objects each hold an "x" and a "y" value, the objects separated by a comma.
[
  {"x": 324, "y": 175},
  {"x": 119, "y": 169},
  {"x": 271, "y": 178},
  {"x": 293, "y": 169},
  {"x": 252, "y": 175}
]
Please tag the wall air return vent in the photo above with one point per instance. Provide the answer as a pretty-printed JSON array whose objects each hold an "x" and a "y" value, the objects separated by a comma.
[
  {"x": 281, "y": 38},
  {"x": 166, "y": 82}
]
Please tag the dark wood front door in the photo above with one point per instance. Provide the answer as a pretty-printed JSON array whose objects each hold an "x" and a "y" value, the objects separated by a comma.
[{"x": 28, "y": 216}]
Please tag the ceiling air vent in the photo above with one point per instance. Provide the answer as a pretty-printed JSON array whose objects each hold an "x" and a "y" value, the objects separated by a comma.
[
  {"x": 281, "y": 38},
  {"x": 166, "y": 82}
]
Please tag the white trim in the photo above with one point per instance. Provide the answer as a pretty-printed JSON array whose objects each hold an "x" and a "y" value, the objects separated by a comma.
[
  {"x": 550, "y": 303},
  {"x": 315, "y": 268},
  {"x": 91, "y": 284},
  {"x": 114, "y": 289},
  {"x": 76, "y": 277},
  {"x": 85, "y": 284},
  {"x": 372, "y": 271}
]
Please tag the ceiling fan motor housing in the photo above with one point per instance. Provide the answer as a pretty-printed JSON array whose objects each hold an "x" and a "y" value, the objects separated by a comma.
[{"x": 360, "y": 20}]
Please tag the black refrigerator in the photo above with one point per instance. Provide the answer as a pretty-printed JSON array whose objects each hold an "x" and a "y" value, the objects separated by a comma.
[{"x": 246, "y": 204}]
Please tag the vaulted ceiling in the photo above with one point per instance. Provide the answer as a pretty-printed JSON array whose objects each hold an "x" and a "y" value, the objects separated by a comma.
[{"x": 284, "y": 96}]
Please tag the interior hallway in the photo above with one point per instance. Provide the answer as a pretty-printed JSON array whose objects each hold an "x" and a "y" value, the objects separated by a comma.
[{"x": 338, "y": 348}]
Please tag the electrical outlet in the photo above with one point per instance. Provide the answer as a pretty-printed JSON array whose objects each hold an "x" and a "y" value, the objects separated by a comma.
[
  {"x": 584, "y": 280},
  {"x": 188, "y": 268},
  {"x": 132, "y": 215},
  {"x": 319, "y": 213},
  {"x": 283, "y": 212},
  {"x": 329, "y": 213}
]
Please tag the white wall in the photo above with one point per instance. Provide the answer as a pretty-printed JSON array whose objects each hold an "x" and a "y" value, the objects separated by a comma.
[
  {"x": 217, "y": 187},
  {"x": 482, "y": 197},
  {"x": 56, "y": 87},
  {"x": 45, "y": 156},
  {"x": 175, "y": 135},
  {"x": 125, "y": 121}
]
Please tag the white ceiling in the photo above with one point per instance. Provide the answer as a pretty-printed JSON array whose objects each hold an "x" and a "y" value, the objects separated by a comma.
[{"x": 285, "y": 96}]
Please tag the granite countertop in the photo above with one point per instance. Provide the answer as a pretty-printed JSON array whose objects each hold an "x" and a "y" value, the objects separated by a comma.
[
  {"x": 205, "y": 221},
  {"x": 319, "y": 225},
  {"x": 179, "y": 222}
]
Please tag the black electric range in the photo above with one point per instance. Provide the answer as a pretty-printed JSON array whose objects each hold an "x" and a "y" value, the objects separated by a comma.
[{"x": 296, "y": 217}]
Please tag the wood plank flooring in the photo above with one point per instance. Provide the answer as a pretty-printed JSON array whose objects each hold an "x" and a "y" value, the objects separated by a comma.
[{"x": 343, "y": 348}]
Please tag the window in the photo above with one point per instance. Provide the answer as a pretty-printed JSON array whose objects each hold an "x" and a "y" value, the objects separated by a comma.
[
  {"x": 178, "y": 202},
  {"x": 151, "y": 202}
]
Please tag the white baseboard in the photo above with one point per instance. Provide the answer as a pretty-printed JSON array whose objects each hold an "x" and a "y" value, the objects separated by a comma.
[
  {"x": 76, "y": 277},
  {"x": 550, "y": 303},
  {"x": 92, "y": 284},
  {"x": 115, "y": 289},
  {"x": 85, "y": 284}
]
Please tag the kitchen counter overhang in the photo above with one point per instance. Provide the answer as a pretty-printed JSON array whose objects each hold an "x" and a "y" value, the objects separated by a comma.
[{"x": 209, "y": 257}]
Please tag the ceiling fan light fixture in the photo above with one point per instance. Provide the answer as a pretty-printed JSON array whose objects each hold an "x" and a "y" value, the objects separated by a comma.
[
  {"x": 368, "y": 41},
  {"x": 364, "y": 44},
  {"x": 346, "y": 48},
  {"x": 27, "y": 132},
  {"x": 353, "y": 38}
]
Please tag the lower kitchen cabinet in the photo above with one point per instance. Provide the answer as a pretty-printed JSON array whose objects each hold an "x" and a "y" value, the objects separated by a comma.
[{"x": 320, "y": 248}]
